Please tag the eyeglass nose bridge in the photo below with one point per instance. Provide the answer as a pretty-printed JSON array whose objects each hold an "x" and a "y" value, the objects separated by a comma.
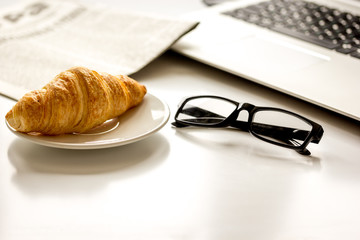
[
  {"x": 243, "y": 123},
  {"x": 242, "y": 107}
]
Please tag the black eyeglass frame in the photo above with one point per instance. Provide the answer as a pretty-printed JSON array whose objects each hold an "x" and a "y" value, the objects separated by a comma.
[{"x": 314, "y": 136}]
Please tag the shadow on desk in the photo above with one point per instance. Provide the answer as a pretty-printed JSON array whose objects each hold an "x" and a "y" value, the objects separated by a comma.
[
  {"x": 44, "y": 169},
  {"x": 231, "y": 143}
]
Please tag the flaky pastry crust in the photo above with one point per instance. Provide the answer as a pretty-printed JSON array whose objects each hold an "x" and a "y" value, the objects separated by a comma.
[{"x": 75, "y": 101}]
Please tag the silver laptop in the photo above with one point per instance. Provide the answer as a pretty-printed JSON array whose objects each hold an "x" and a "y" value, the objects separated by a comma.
[{"x": 317, "y": 60}]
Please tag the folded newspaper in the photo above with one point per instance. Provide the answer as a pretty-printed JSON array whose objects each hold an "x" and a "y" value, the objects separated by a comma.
[{"x": 40, "y": 39}]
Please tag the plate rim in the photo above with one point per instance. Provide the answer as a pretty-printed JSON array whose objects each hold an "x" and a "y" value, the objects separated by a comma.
[{"x": 94, "y": 145}]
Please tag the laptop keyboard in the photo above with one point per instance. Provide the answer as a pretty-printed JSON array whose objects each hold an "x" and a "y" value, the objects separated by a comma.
[{"x": 308, "y": 21}]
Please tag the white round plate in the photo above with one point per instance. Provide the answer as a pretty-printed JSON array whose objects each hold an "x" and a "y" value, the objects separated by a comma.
[{"x": 134, "y": 125}]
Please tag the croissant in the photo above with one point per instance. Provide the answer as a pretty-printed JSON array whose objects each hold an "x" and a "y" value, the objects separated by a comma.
[{"x": 75, "y": 101}]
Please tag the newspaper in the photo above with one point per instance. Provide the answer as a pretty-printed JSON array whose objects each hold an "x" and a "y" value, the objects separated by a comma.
[{"x": 39, "y": 39}]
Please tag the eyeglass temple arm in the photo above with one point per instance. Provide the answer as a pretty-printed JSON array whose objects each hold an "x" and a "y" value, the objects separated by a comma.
[
  {"x": 277, "y": 132},
  {"x": 195, "y": 112},
  {"x": 286, "y": 135}
]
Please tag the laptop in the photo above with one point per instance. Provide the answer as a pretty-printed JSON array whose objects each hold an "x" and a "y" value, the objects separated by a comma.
[{"x": 317, "y": 60}]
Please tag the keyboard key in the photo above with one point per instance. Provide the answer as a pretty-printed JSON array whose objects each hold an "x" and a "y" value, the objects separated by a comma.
[
  {"x": 346, "y": 48},
  {"x": 356, "y": 53}
]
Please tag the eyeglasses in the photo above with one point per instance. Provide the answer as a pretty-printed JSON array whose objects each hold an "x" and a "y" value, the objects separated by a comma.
[{"x": 272, "y": 125}]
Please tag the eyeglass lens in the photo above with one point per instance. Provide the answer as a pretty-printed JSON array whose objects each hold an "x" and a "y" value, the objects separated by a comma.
[
  {"x": 280, "y": 127},
  {"x": 207, "y": 111}
]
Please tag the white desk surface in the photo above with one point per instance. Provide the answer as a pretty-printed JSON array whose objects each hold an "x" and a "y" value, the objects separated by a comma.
[{"x": 186, "y": 184}]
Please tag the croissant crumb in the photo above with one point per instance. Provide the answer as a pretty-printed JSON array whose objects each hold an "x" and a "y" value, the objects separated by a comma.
[{"x": 75, "y": 101}]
